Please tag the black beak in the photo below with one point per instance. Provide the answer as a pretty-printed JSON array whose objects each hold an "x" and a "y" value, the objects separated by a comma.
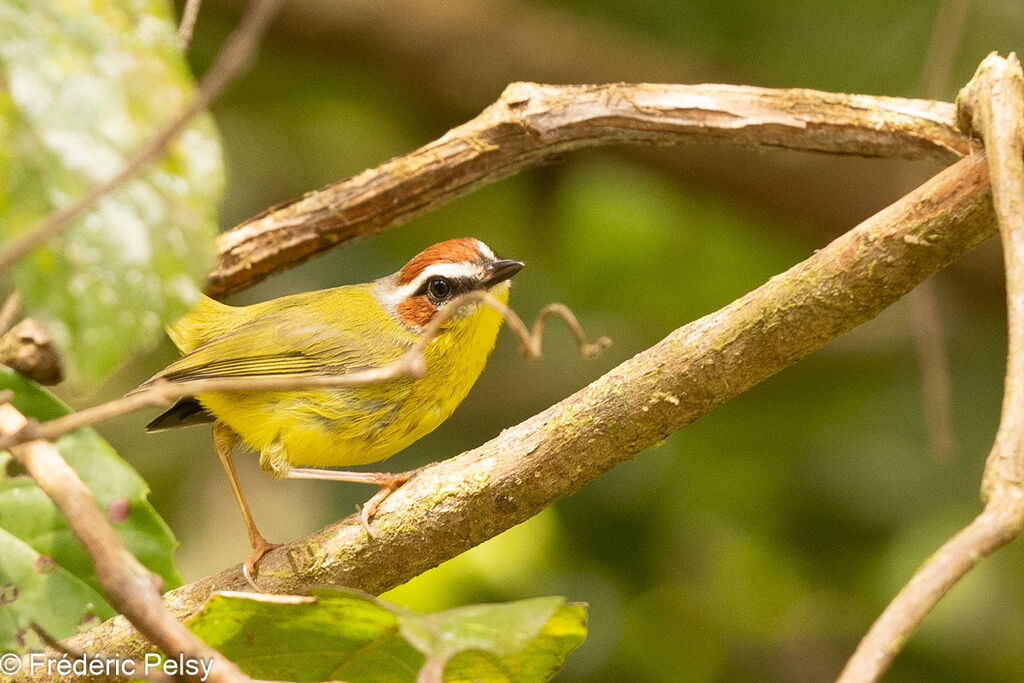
[{"x": 499, "y": 271}]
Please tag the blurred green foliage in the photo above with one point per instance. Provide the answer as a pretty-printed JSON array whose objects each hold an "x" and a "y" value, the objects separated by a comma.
[
  {"x": 82, "y": 87},
  {"x": 756, "y": 544}
]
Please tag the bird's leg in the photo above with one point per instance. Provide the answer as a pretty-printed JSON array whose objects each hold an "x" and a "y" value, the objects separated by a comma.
[
  {"x": 387, "y": 481},
  {"x": 224, "y": 440}
]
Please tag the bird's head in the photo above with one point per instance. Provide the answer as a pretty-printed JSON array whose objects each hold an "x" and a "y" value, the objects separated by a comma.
[{"x": 439, "y": 274}]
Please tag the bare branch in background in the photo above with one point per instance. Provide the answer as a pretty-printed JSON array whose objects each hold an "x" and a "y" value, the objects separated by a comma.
[
  {"x": 188, "y": 23},
  {"x": 925, "y": 306},
  {"x": 993, "y": 105},
  {"x": 460, "y": 502},
  {"x": 9, "y": 311},
  {"x": 531, "y": 123},
  {"x": 235, "y": 54}
]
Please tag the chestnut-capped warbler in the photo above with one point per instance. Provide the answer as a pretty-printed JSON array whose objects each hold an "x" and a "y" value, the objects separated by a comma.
[{"x": 334, "y": 331}]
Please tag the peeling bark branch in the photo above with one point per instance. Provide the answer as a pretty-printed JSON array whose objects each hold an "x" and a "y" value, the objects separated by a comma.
[
  {"x": 531, "y": 123},
  {"x": 458, "y": 503},
  {"x": 421, "y": 47},
  {"x": 993, "y": 105}
]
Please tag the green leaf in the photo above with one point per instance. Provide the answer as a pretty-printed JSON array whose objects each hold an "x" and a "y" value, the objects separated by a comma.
[
  {"x": 34, "y": 588},
  {"x": 526, "y": 640},
  {"x": 345, "y": 635},
  {"x": 41, "y": 562},
  {"x": 82, "y": 86}
]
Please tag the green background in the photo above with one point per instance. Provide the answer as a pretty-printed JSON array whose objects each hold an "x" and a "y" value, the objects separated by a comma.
[{"x": 760, "y": 542}]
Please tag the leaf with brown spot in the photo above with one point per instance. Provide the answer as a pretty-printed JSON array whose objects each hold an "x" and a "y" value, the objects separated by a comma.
[{"x": 118, "y": 509}]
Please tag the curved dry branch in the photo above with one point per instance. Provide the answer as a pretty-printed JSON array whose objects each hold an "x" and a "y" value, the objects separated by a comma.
[
  {"x": 421, "y": 47},
  {"x": 992, "y": 104},
  {"x": 531, "y": 123},
  {"x": 457, "y": 504}
]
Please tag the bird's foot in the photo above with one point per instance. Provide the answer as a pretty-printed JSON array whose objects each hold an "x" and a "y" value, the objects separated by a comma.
[
  {"x": 389, "y": 483},
  {"x": 250, "y": 570}
]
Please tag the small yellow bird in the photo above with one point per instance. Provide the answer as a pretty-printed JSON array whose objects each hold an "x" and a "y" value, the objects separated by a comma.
[{"x": 335, "y": 331}]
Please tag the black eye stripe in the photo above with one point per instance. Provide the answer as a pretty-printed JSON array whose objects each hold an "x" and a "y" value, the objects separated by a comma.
[{"x": 459, "y": 285}]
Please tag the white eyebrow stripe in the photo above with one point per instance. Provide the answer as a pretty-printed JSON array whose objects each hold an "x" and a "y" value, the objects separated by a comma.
[{"x": 452, "y": 271}]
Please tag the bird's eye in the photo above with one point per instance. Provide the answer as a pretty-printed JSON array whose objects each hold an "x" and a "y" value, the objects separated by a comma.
[{"x": 439, "y": 289}]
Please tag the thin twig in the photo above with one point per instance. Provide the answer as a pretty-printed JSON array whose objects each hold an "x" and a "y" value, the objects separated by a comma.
[
  {"x": 988, "y": 532},
  {"x": 562, "y": 311},
  {"x": 9, "y": 311},
  {"x": 235, "y": 54},
  {"x": 188, "y": 23},
  {"x": 153, "y": 675},
  {"x": 992, "y": 104},
  {"x": 51, "y": 642},
  {"x": 410, "y": 364},
  {"x": 532, "y": 123},
  {"x": 129, "y": 587}
]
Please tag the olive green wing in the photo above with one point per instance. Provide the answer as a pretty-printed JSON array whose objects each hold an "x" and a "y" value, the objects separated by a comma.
[
  {"x": 287, "y": 337},
  {"x": 277, "y": 344},
  {"x": 290, "y": 342}
]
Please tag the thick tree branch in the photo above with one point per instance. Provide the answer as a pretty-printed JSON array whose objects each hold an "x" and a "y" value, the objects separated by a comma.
[
  {"x": 993, "y": 105},
  {"x": 457, "y": 504},
  {"x": 531, "y": 123}
]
